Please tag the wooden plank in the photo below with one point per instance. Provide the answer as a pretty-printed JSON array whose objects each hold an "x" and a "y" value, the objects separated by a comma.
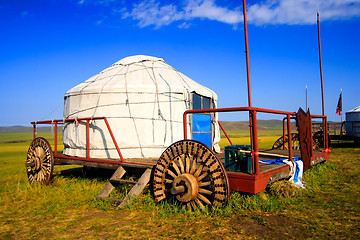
[
  {"x": 137, "y": 189},
  {"x": 121, "y": 181},
  {"x": 304, "y": 125},
  {"x": 131, "y": 162},
  {"x": 104, "y": 193}
]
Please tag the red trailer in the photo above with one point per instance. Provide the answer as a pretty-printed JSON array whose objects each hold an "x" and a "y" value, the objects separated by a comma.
[{"x": 188, "y": 170}]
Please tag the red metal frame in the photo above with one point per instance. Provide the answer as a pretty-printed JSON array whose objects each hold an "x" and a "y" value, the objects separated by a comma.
[
  {"x": 256, "y": 182},
  {"x": 254, "y": 143},
  {"x": 222, "y": 128},
  {"x": 253, "y": 130},
  {"x": 77, "y": 120}
]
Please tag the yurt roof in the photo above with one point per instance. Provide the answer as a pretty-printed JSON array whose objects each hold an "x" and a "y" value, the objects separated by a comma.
[
  {"x": 140, "y": 74},
  {"x": 357, "y": 109}
]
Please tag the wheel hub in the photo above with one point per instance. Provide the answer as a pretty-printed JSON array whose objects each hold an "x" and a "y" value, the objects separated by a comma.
[
  {"x": 191, "y": 187},
  {"x": 37, "y": 163}
]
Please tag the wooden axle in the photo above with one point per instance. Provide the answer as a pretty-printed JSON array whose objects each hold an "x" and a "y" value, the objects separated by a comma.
[{"x": 177, "y": 190}]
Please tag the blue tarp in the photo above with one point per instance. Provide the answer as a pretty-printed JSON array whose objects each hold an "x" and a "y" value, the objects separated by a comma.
[{"x": 297, "y": 175}]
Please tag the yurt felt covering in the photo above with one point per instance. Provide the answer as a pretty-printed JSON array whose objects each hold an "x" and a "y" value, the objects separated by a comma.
[{"x": 143, "y": 99}]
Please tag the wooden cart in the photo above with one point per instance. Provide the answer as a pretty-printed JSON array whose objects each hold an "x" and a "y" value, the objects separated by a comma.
[{"x": 188, "y": 170}]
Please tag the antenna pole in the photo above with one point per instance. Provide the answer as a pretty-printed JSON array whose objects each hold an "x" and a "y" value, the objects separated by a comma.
[
  {"x": 322, "y": 89},
  {"x": 247, "y": 53},
  {"x": 321, "y": 75}
]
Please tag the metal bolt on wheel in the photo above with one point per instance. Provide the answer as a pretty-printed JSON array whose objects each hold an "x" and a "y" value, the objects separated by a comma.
[
  {"x": 192, "y": 174},
  {"x": 40, "y": 161}
]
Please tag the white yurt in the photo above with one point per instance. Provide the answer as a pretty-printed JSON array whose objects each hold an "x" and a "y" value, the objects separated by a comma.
[
  {"x": 143, "y": 99},
  {"x": 352, "y": 124}
]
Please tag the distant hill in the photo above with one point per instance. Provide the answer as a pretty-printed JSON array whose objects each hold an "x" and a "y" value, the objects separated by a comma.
[
  {"x": 25, "y": 129},
  {"x": 262, "y": 125},
  {"x": 15, "y": 129},
  {"x": 228, "y": 125}
]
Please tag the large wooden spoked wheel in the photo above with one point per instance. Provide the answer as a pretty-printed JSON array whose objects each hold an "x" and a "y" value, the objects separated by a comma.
[
  {"x": 280, "y": 142},
  {"x": 40, "y": 161},
  {"x": 189, "y": 172}
]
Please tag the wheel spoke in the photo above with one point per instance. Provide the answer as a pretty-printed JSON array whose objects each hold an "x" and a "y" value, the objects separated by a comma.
[
  {"x": 193, "y": 167},
  {"x": 202, "y": 190},
  {"x": 204, "y": 199},
  {"x": 171, "y": 173},
  {"x": 198, "y": 171},
  {"x": 39, "y": 176},
  {"x": 189, "y": 207},
  {"x": 201, "y": 177},
  {"x": 44, "y": 170},
  {"x": 198, "y": 202},
  {"x": 168, "y": 180},
  {"x": 203, "y": 184},
  {"x": 181, "y": 163},
  {"x": 187, "y": 163},
  {"x": 193, "y": 205},
  {"x": 176, "y": 168}
]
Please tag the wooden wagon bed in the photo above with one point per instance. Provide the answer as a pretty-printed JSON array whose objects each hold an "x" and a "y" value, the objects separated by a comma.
[{"x": 239, "y": 181}]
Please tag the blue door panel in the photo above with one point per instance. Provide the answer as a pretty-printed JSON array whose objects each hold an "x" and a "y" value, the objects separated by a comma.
[
  {"x": 205, "y": 138},
  {"x": 201, "y": 128}
]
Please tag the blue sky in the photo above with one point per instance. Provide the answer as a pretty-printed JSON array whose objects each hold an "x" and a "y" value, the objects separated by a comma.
[{"x": 49, "y": 46}]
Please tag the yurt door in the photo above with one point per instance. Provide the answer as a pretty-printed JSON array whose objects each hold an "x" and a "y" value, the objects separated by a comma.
[
  {"x": 201, "y": 123},
  {"x": 201, "y": 129}
]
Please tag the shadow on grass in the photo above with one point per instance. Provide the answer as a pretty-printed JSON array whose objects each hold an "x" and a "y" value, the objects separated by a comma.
[
  {"x": 98, "y": 173},
  {"x": 344, "y": 144}
]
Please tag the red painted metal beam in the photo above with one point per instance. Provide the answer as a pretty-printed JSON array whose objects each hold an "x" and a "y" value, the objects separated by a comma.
[
  {"x": 55, "y": 138},
  {"x": 320, "y": 62},
  {"x": 289, "y": 138},
  {"x": 247, "y": 54},
  {"x": 87, "y": 138},
  {"x": 225, "y": 133},
  {"x": 114, "y": 140},
  {"x": 254, "y": 143},
  {"x": 87, "y": 119}
]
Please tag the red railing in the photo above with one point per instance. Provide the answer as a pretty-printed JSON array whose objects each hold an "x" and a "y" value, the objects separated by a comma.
[
  {"x": 78, "y": 120},
  {"x": 253, "y": 127},
  {"x": 222, "y": 128}
]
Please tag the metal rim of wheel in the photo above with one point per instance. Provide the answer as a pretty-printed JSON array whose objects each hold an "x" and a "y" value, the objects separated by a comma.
[
  {"x": 189, "y": 172},
  {"x": 40, "y": 161}
]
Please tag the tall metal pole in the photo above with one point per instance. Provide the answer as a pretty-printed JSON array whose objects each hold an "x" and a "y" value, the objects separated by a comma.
[
  {"x": 247, "y": 53},
  {"x": 321, "y": 75},
  {"x": 322, "y": 87},
  {"x": 252, "y": 114}
]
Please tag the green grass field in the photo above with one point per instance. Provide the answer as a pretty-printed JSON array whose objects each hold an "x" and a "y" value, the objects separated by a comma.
[{"x": 329, "y": 207}]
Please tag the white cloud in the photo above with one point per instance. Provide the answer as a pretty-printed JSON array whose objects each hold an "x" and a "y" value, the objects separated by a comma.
[
  {"x": 301, "y": 12},
  {"x": 207, "y": 9},
  {"x": 266, "y": 12},
  {"x": 151, "y": 13}
]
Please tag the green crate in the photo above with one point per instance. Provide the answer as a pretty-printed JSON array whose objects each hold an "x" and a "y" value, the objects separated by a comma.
[{"x": 238, "y": 161}]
